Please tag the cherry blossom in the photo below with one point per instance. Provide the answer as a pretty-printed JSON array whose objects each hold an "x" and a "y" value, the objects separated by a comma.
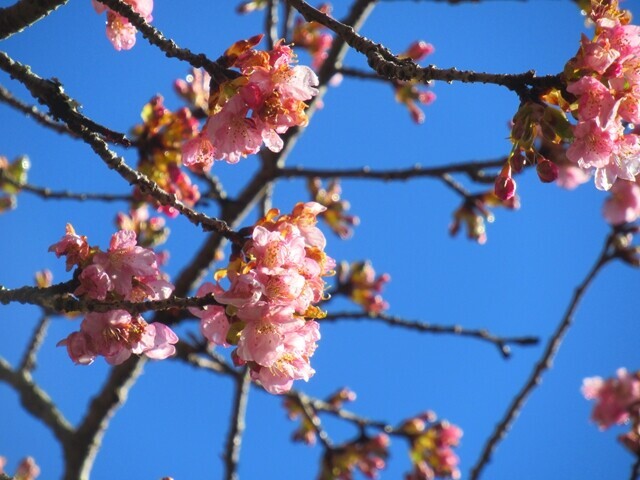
[
  {"x": 120, "y": 32},
  {"x": 116, "y": 335},
  {"x": 614, "y": 397}
]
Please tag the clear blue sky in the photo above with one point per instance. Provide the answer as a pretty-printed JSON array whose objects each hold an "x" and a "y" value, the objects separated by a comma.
[{"x": 520, "y": 282}]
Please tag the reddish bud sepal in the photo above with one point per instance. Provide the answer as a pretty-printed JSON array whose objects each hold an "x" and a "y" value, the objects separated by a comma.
[{"x": 547, "y": 170}]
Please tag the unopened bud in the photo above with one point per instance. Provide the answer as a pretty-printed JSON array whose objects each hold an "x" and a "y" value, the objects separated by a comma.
[
  {"x": 547, "y": 170},
  {"x": 505, "y": 187},
  {"x": 518, "y": 161},
  {"x": 418, "y": 50}
]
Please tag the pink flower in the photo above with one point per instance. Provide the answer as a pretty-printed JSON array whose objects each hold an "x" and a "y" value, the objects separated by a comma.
[
  {"x": 72, "y": 246},
  {"x": 623, "y": 205},
  {"x": 594, "y": 99},
  {"x": 120, "y": 32},
  {"x": 593, "y": 145},
  {"x": 116, "y": 335},
  {"x": 214, "y": 323},
  {"x": 95, "y": 282},
  {"x": 614, "y": 397},
  {"x": 198, "y": 152},
  {"x": 570, "y": 176}
]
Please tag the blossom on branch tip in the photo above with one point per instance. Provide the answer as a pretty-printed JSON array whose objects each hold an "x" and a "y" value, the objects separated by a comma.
[
  {"x": 366, "y": 454},
  {"x": 335, "y": 214},
  {"x": 359, "y": 281},
  {"x": 27, "y": 469},
  {"x": 617, "y": 399},
  {"x": 254, "y": 106},
  {"x": 120, "y": 32},
  {"x": 314, "y": 37}
]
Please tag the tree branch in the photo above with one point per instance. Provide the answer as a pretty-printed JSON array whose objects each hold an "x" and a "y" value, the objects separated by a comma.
[
  {"x": 502, "y": 343},
  {"x": 25, "y": 13},
  {"x": 28, "y": 363},
  {"x": 237, "y": 425},
  {"x": 544, "y": 363},
  {"x": 47, "y": 193},
  {"x": 36, "y": 401},
  {"x": 389, "y": 66}
]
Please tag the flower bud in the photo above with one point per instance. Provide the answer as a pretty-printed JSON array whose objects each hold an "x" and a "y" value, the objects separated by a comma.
[
  {"x": 418, "y": 50},
  {"x": 505, "y": 187},
  {"x": 547, "y": 170}
]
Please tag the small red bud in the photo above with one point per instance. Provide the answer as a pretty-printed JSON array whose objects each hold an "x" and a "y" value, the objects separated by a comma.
[
  {"x": 518, "y": 161},
  {"x": 505, "y": 187},
  {"x": 547, "y": 170}
]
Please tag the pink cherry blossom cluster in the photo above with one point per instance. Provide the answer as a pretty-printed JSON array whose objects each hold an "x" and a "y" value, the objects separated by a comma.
[
  {"x": 116, "y": 335},
  {"x": 274, "y": 284},
  {"x": 617, "y": 402},
  {"x": 120, "y": 32},
  {"x": 359, "y": 281},
  {"x": 254, "y": 106},
  {"x": 366, "y": 454},
  {"x": 124, "y": 272},
  {"x": 431, "y": 447},
  {"x": 605, "y": 79},
  {"x": 27, "y": 469}
]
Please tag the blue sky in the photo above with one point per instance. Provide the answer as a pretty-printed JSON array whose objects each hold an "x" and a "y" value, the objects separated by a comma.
[{"x": 520, "y": 282}]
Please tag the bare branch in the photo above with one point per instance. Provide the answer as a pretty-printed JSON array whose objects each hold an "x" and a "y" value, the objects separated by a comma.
[
  {"x": 28, "y": 363},
  {"x": 544, "y": 363},
  {"x": 237, "y": 426},
  {"x": 271, "y": 23},
  {"x": 389, "y": 66},
  {"x": 502, "y": 343},
  {"x": 47, "y": 193},
  {"x": 366, "y": 173},
  {"x": 33, "y": 112},
  {"x": 25, "y": 13},
  {"x": 36, "y": 401}
]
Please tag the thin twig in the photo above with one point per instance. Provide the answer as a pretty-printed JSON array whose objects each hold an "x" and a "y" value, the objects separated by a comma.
[
  {"x": 544, "y": 363},
  {"x": 28, "y": 363},
  {"x": 271, "y": 23},
  {"x": 36, "y": 401},
  {"x": 25, "y": 13},
  {"x": 32, "y": 111},
  {"x": 168, "y": 46},
  {"x": 366, "y": 173},
  {"x": 47, "y": 193},
  {"x": 635, "y": 469},
  {"x": 309, "y": 412},
  {"x": 388, "y": 65},
  {"x": 455, "y": 186},
  {"x": 502, "y": 343},
  {"x": 237, "y": 426}
]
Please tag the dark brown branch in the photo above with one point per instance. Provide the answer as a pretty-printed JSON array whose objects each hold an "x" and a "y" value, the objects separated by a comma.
[
  {"x": 389, "y": 66},
  {"x": 80, "y": 453},
  {"x": 544, "y": 363},
  {"x": 308, "y": 410},
  {"x": 24, "y": 13},
  {"x": 36, "y": 401},
  {"x": 237, "y": 426},
  {"x": 199, "y": 357},
  {"x": 271, "y": 23},
  {"x": 28, "y": 363},
  {"x": 33, "y": 112},
  {"x": 54, "y": 300},
  {"x": 635, "y": 469},
  {"x": 366, "y": 173},
  {"x": 47, "y": 193},
  {"x": 167, "y": 46},
  {"x": 502, "y": 343}
]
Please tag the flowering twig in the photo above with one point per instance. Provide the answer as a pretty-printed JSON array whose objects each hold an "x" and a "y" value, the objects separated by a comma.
[
  {"x": 33, "y": 112},
  {"x": 47, "y": 193},
  {"x": 237, "y": 426},
  {"x": 543, "y": 364},
  {"x": 389, "y": 66},
  {"x": 168, "y": 46},
  {"x": 309, "y": 412},
  {"x": 502, "y": 343},
  {"x": 25, "y": 13},
  {"x": 28, "y": 363}
]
